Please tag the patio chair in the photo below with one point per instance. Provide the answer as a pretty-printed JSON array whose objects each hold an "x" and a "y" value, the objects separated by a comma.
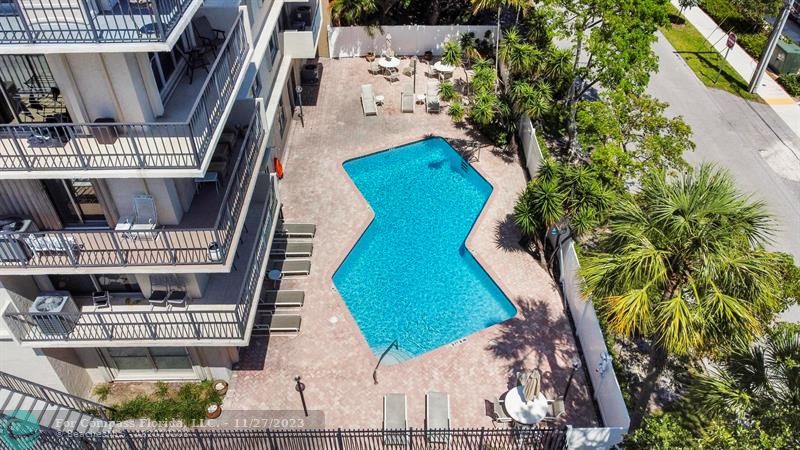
[
  {"x": 178, "y": 296},
  {"x": 395, "y": 419},
  {"x": 209, "y": 37},
  {"x": 282, "y": 299},
  {"x": 296, "y": 230},
  {"x": 291, "y": 249},
  {"x": 392, "y": 75},
  {"x": 195, "y": 59},
  {"x": 437, "y": 417},
  {"x": 144, "y": 208},
  {"x": 101, "y": 299},
  {"x": 290, "y": 267},
  {"x": 432, "y": 98},
  {"x": 368, "y": 103},
  {"x": 374, "y": 67},
  {"x": 407, "y": 99},
  {"x": 495, "y": 410},
  {"x": 555, "y": 409},
  {"x": 159, "y": 290}
]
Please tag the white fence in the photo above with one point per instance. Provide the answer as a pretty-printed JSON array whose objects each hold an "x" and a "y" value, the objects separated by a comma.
[
  {"x": 530, "y": 145},
  {"x": 346, "y": 42},
  {"x": 601, "y": 372}
]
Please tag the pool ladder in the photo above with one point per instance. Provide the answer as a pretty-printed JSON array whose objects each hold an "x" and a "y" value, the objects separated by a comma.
[{"x": 464, "y": 164}]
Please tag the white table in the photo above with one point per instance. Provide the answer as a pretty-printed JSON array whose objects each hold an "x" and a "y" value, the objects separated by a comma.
[
  {"x": 443, "y": 68},
  {"x": 379, "y": 99},
  {"x": 528, "y": 413},
  {"x": 390, "y": 63}
]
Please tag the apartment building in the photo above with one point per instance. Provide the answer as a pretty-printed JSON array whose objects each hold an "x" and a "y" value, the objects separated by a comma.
[{"x": 138, "y": 199}]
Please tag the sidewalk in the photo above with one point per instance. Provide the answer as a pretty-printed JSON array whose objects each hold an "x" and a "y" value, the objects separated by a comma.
[{"x": 769, "y": 90}]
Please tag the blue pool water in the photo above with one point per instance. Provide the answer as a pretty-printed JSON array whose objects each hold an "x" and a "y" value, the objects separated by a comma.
[{"x": 410, "y": 277}]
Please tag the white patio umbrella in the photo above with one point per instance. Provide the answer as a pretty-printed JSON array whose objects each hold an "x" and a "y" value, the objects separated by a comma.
[{"x": 387, "y": 47}]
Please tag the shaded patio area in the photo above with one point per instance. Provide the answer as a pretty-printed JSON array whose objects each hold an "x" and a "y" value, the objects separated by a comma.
[{"x": 330, "y": 353}]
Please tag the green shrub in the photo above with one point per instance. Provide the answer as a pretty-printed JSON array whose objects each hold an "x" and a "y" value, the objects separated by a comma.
[
  {"x": 456, "y": 112},
  {"x": 752, "y": 43},
  {"x": 188, "y": 404},
  {"x": 791, "y": 83},
  {"x": 750, "y": 32},
  {"x": 101, "y": 391}
]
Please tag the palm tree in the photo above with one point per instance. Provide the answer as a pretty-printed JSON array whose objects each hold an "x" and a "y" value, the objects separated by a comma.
[
  {"x": 533, "y": 100},
  {"x": 484, "y": 5},
  {"x": 520, "y": 57},
  {"x": 754, "y": 379},
  {"x": 350, "y": 12},
  {"x": 682, "y": 265}
]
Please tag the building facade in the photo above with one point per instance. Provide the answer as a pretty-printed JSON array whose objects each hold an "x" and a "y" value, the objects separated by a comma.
[{"x": 138, "y": 196}]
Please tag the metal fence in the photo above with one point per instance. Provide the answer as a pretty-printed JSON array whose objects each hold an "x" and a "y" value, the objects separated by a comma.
[
  {"x": 207, "y": 325},
  {"x": 53, "y": 396},
  {"x": 87, "y": 21},
  {"x": 95, "y": 248},
  {"x": 340, "y": 439},
  {"x": 121, "y": 145}
]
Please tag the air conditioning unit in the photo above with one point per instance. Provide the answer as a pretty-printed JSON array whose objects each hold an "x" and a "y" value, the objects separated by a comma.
[
  {"x": 12, "y": 247},
  {"x": 54, "y": 313}
]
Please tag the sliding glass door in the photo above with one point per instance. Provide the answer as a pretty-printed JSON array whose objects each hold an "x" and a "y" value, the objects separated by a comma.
[{"x": 141, "y": 363}]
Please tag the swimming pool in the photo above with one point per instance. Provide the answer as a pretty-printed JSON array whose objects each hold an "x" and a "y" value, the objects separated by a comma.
[{"x": 410, "y": 277}]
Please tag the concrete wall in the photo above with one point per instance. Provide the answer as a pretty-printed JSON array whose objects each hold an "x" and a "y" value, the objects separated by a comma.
[
  {"x": 601, "y": 372},
  {"x": 530, "y": 145},
  {"x": 170, "y": 200},
  {"x": 345, "y": 42}
]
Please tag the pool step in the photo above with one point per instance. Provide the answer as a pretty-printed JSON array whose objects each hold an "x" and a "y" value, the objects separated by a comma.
[{"x": 464, "y": 165}]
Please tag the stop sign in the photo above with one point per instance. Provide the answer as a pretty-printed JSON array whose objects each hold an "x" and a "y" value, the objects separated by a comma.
[{"x": 731, "y": 40}]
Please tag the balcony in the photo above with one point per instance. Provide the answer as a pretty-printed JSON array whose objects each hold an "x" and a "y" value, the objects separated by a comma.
[
  {"x": 176, "y": 145},
  {"x": 186, "y": 247},
  {"x": 301, "y": 30},
  {"x": 34, "y": 26},
  {"x": 220, "y": 318}
]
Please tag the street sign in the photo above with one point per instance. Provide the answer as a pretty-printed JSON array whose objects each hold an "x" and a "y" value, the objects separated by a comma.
[{"x": 731, "y": 40}]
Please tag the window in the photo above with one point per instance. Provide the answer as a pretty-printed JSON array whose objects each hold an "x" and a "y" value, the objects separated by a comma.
[
  {"x": 273, "y": 47},
  {"x": 281, "y": 117},
  {"x": 160, "y": 360},
  {"x": 255, "y": 89},
  {"x": 168, "y": 66}
]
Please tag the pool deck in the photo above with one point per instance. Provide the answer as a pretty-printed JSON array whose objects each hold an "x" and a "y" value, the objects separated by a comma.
[{"x": 330, "y": 354}]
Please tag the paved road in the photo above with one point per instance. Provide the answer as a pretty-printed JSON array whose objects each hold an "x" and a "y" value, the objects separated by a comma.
[{"x": 746, "y": 138}]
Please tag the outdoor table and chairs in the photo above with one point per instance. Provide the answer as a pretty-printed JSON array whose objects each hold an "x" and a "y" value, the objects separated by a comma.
[
  {"x": 443, "y": 70},
  {"x": 527, "y": 412},
  {"x": 389, "y": 64}
]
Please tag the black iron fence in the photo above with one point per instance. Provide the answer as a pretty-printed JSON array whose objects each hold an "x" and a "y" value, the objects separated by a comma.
[
  {"x": 53, "y": 396},
  {"x": 340, "y": 439},
  {"x": 120, "y": 145},
  {"x": 88, "y": 21},
  {"x": 206, "y": 325}
]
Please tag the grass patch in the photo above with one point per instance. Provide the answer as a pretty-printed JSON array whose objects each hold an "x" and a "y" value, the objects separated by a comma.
[
  {"x": 186, "y": 403},
  {"x": 752, "y": 36},
  {"x": 702, "y": 58}
]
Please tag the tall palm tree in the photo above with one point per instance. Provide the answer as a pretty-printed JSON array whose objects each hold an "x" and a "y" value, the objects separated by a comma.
[
  {"x": 485, "y": 5},
  {"x": 682, "y": 265},
  {"x": 755, "y": 379},
  {"x": 350, "y": 12}
]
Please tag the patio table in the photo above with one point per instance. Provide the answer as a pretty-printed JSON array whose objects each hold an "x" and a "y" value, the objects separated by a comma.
[
  {"x": 528, "y": 413},
  {"x": 443, "y": 68},
  {"x": 390, "y": 63}
]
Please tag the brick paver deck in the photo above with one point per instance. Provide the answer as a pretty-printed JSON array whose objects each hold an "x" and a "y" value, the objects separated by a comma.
[{"x": 330, "y": 353}]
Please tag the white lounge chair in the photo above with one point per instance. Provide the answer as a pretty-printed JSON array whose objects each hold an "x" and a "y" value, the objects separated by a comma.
[
  {"x": 277, "y": 323},
  {"x": 368, "y": 103},
  {"x": 432, "y": 98},
  {"x": 407, "y": 99},
  {"x": 437, "y": 417},
  {"x": 288, "y": 249},
  {"x": 296, "y": 230},
  {"x": 395, "y": 419},
  {"x": 282, "y": 299},
  {"x": 290, "y": 267}
]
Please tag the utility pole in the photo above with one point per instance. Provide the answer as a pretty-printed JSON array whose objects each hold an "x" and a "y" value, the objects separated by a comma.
[{"x": 766, "y": 54}]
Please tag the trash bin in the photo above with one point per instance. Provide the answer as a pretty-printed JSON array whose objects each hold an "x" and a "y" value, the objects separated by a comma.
[{"x": 105, "y": 135}]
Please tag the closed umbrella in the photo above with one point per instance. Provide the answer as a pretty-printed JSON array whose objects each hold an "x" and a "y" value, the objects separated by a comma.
[{"x": 532, "y": 385}]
